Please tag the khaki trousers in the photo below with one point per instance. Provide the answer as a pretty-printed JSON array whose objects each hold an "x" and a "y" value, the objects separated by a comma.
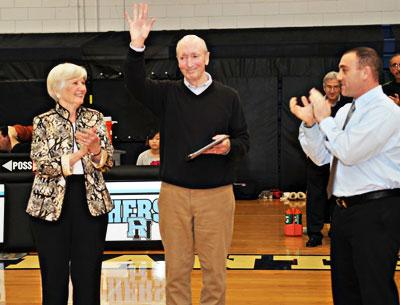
[{"x": 201, "y": 220}]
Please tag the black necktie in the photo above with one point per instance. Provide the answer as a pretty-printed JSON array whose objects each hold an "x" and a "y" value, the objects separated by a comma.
[{"x": 332, "y": 174}]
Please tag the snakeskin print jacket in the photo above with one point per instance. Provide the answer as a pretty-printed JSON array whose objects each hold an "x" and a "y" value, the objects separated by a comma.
[{"x": 52, "y": 144}]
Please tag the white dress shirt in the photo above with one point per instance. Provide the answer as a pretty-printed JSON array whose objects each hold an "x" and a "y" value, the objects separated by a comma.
[
  {"x": 368, "y": 149},
  {"x": 77, "y": 168}
]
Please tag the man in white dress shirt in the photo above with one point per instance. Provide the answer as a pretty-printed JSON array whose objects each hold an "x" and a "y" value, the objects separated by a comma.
[{"x": 365, "y": 172}]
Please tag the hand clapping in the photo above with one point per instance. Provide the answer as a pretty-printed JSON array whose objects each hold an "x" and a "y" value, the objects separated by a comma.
[
  {"x": 314, "y": 109},
  {"x": 88, "y": 139}
]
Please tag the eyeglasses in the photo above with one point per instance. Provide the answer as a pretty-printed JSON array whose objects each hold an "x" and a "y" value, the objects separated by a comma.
[{"x": 397, "y": 66}]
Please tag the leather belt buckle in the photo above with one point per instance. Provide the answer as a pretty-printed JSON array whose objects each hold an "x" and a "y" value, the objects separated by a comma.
[{"x": 341, "y": 203}]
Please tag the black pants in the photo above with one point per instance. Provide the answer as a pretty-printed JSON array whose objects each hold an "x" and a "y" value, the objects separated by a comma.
[
  {"x": 364, "y": 250},
  {"x": 72, "y": 245},
  {"x": 318, "y": 206}
]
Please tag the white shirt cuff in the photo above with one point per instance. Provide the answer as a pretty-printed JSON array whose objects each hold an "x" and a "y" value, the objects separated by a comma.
[
  {"x": 66, "y": 168},
  {"x": 137, "y": 49},
  {"x": 310, "y": 131}
]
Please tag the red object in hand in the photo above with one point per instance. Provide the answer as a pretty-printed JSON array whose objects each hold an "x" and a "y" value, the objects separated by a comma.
[
  {"x": 293, "y": 222},
  {"x": 155, "y": 163}
]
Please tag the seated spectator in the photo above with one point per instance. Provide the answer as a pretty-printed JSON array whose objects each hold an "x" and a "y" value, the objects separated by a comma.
[
  {"x": 152, "y": 155},
  {"x": 15, "y": 139}
]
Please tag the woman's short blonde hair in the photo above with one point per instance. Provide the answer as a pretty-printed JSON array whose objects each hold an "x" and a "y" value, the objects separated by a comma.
[{"x": 59, "y": 74}]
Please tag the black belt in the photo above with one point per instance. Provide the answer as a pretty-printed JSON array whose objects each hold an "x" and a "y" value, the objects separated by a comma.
[{"x": 346, "y": 202}]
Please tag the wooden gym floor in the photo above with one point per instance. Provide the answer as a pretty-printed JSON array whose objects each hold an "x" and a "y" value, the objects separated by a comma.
[{"x": 264, "y": 267}]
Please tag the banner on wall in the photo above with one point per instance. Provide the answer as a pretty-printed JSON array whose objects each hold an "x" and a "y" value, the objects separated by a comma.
[{"x": 135, "y": 216}]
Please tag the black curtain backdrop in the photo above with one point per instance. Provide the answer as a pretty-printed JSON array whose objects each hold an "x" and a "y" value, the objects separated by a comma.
[
  {"x": 396, "y": 33},
  {"x": 266, "y": 67},
  {"x": 21, "y": 100}
]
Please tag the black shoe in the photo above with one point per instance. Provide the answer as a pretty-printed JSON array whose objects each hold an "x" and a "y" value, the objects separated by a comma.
[{"x": 314, "y": 242}]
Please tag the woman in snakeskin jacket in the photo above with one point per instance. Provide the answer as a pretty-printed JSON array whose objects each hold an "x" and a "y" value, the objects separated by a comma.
[{"x": 69, "y": 201}]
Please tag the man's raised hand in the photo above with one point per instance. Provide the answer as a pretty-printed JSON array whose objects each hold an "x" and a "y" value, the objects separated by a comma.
[{"x": 139, "y": 24}]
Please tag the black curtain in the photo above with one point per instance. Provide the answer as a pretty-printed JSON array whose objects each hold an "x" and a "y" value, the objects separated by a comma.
[{"x": 266, "y": 67}]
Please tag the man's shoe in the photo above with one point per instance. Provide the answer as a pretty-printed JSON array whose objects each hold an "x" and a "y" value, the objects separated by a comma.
[{"x": 314, "y": 242}]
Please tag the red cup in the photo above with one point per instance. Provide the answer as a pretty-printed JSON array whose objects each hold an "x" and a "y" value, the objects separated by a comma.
[
  {"x": 109, "y": 129},
  {"x": 108, "y": 122}
]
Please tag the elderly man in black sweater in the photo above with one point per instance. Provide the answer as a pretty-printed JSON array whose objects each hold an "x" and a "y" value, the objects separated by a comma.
[{"x": 196, "y": 202}]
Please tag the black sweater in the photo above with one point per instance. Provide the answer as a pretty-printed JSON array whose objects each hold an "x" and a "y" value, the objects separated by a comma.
[
  {"x": 187, "y": 123},
  {"x": 391, "y": 88}
]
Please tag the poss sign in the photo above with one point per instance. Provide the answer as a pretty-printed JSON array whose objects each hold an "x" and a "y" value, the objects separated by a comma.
[{"x": 14, "y": 163}]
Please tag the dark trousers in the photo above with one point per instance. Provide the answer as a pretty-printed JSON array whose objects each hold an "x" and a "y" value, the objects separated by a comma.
[
  {"x": 318, "y": 206},
  {"x": 72, "y": 245},
  {"x": 364, "y": 250}
]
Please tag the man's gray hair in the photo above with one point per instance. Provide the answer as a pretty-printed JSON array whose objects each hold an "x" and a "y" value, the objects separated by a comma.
[
  {"x": 191, "y": 38},
  {"x": 330, "y": 75}
]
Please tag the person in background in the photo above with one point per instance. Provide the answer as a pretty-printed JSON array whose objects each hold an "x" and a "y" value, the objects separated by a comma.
[
  {"x": 318, "y": 206},
  {"x": 15, "y": 139},
  {"x": 392, "y": 88},
  {"x": 69, "y": 201},
  {"x": 196, "y": 202},
  {"x": 152, "y": 155},
  {"x": 362, "y": 143}
]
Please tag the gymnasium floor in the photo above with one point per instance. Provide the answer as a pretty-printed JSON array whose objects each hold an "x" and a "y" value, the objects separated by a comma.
[{"x": 264, "y": 267}]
